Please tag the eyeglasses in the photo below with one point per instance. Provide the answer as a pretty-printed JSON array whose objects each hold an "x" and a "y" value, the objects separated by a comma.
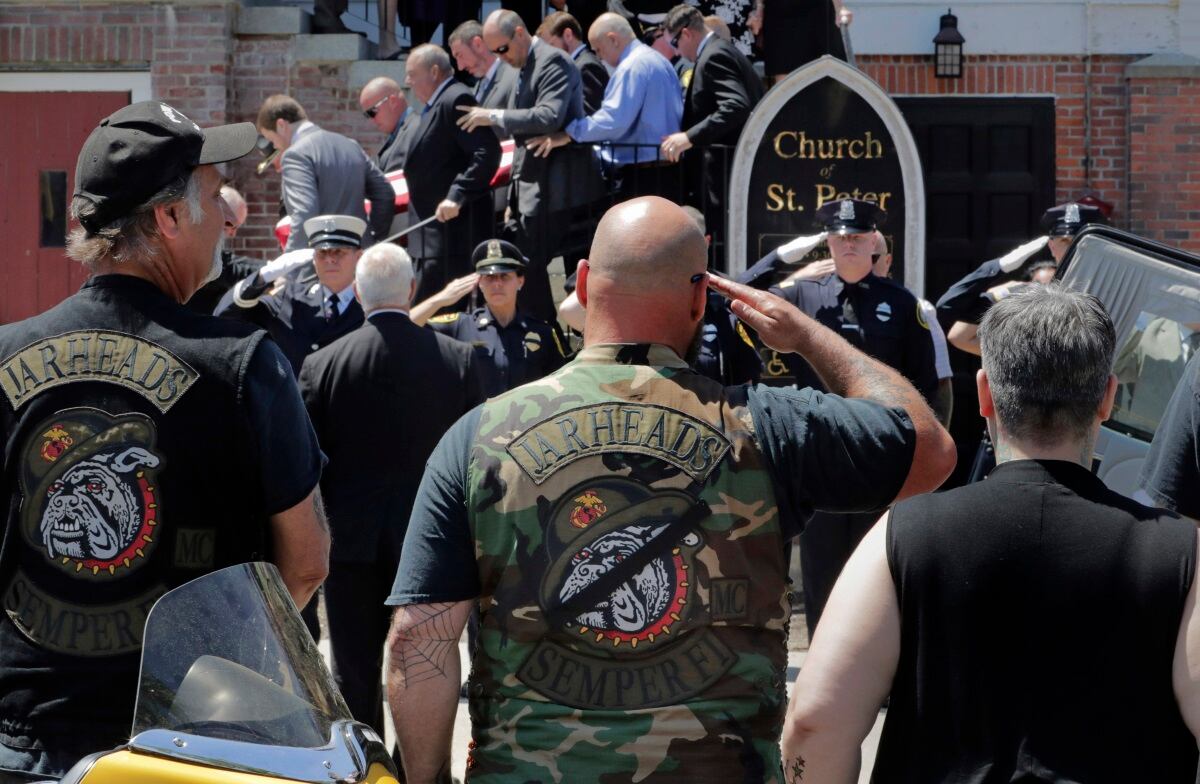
[
  {"x": 675, "y": 39},
  {"x": 502, "y": 49},
  {"x": 374, "y": 110}
]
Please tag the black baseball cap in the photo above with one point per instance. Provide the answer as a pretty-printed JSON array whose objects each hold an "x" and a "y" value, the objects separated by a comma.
[
  {"x": 492, "y": 257},
  {"x": 850, "y": 216},
  {"x": 138, "y": 150}
]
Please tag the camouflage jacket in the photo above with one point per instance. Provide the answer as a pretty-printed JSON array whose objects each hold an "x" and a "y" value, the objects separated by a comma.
[{"x": 634, "y": 595}]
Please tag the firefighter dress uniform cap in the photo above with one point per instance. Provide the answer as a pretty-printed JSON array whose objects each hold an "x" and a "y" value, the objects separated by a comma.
[
  {"x": 493, "y": 257},
  {"x": 142, "y": 148},
  {"x": 850, "y": 216},
  {"x": 1066, "y": 220},
  {"x": 335, "y": 231}
]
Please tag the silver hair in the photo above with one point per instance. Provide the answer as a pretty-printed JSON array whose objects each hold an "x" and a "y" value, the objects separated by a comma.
[
  {"x": 508, "y": 21},
  {"x": 430, "y": 55},
  {"x": 1048, "y": 353},
  {"x": 131, "y": 237},
  {"x": 384, "y": 277}
]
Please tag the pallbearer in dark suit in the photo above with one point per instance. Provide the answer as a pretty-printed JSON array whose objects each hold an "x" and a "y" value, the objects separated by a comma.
[
  {"x": 495, "y": 79},
  {"x": 304, "y": 314},
  {"x": 544, "y": 190},
  {"x": 384, "y": 104},
  {"x": 724, "y": 88},
  {"x": 563, "y": 31},
  {"x": 448, "y": 171},
  {"x": 379, "y": 399}
]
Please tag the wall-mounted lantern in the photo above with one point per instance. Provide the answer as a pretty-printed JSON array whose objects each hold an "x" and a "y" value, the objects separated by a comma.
[{"x": 948, "y": 49}]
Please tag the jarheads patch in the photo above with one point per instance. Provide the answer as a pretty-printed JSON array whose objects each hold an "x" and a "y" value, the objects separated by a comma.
[
  {"x": 88, "y": 486},
  {"x": 631, "y": 645}
]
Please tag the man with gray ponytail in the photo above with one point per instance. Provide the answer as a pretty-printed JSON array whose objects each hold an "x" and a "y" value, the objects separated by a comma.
[
  {"x": 145, "y": 444},
  {"x": 988, "y": 612},
  {"x": 380, "y": 398}
]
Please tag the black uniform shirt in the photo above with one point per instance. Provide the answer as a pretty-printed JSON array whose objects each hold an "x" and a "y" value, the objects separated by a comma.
[
  {"x": 876, "y": 315},
  {"x": 525, "y": 350},
  {"x": 299, "y": 317}
]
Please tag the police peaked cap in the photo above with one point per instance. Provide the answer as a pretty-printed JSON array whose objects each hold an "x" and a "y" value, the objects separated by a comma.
[
  {"x": 142, "y": 148},
  {"x": 335, "y": 231},
  {"x": 492, "y": 257},
  {"x": 850, "y": 216},
  {"x": 1066, "y": 220}
]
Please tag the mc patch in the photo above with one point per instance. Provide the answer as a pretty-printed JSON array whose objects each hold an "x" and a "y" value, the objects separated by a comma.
[{"x": 88, "y": 481}]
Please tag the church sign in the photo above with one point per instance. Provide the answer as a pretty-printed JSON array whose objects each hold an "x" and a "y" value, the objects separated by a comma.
[{"x": 824, "y": 133}]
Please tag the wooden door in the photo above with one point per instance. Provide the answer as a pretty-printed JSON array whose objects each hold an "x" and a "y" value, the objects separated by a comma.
[
  {"x": 989, "y": 175},
  {"x": 39, "y": 143}
]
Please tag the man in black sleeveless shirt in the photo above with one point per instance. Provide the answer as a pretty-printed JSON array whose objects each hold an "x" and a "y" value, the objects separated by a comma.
[{"x": 988, "y": 611}]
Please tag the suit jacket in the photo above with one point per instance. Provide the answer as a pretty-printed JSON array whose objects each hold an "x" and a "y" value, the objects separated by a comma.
[
  {"x": 392, "y": 154},
  {"x": 380, "y": 398},
  {"x": 594, "y": 77},
  {"x": 444, "y": 161},
  {"x": 325, "y": 173},
  {"x": 723, "y": 90},
  {"x": 499, "y": 91},
  {"x": 549, "y": 95}
]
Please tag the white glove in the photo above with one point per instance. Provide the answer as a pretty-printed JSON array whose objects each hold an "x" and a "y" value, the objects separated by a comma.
[
  {"x": 273, "y": 270},
  {"x": 798, "y": 248},
  {"x": 1010, "y": 261}
]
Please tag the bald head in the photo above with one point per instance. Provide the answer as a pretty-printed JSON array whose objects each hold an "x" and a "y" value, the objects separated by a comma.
[
  {"x": 237, "y": 208},
  {"x": 380, "y": 86},
  {"x": 608, "y": 36},
  {"x": 647, "y": 244},
  {"x": 637, "y": 286},
  {"x": 882, "y": 258}
]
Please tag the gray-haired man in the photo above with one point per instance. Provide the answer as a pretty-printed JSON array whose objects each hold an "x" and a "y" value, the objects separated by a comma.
[
  {"x": 145, "y": 444},
  {"x": 987, "y": 611},
  {"x": 380, "y": 398}
]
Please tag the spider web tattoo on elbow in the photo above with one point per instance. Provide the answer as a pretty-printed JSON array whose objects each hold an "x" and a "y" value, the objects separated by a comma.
[{"x": 427, "y": 640}]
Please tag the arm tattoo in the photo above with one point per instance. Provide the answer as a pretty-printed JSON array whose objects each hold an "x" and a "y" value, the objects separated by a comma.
[
  {"x": 425, "y": 638},
  {"x": 795, "y": 770}
]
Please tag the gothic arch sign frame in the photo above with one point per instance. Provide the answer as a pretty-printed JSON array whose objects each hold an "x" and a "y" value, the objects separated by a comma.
[{"x": 751, "y": 145}]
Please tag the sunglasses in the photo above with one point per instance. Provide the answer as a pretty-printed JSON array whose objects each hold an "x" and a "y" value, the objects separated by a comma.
[
  {"x": 675, "y": 39},
  {"x": 374, "y": 110},
  {"x": 502, "y": 49}
]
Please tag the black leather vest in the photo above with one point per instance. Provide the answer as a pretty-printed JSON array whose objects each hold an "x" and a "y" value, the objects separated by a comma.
[{"x": 127, "y": 472}]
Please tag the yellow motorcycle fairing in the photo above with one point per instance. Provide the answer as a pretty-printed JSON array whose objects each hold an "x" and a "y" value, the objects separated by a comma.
[{"x": 128, "y": 767}]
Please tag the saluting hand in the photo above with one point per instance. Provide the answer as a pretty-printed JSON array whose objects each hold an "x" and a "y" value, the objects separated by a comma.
[
  {"x": 473, "y": 117},
  {"x": 813, "y": 271},
  {"x": 776, "y": 321}
]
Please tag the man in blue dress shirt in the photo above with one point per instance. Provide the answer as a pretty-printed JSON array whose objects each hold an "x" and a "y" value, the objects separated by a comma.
[{"x": 643, "y": 103}]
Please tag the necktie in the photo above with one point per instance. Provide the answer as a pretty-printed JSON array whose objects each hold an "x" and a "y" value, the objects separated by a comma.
[
  {"x": 331, "y": 308},
  {"x": 481, "y": 89}
]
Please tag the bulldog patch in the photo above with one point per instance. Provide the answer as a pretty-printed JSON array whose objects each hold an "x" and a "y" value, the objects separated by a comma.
[{"x": 89, "y": 491}]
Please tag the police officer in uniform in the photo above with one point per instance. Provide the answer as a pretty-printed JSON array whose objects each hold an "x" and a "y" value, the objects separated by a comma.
[
  {"x": 305, "y": 314},
  {"x": 623, "y": 525},
  {"x": 964, "y": 304},
  {"x": 874, "y": 314},
  {"x": 145, "y": 444},
  {"x": 514, "y": 347}
]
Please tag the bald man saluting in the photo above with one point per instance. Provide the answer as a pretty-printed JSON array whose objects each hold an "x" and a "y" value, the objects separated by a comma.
[{"x": 622, "y": 524}]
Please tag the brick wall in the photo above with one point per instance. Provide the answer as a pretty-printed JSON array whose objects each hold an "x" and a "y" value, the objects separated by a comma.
[
  {"x": 1164, "y": 194},
  {"x": 1103, "y": 169}
]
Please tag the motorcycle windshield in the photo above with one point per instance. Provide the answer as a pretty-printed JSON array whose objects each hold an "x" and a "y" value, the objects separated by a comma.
[{"x": 226, "y": 656}]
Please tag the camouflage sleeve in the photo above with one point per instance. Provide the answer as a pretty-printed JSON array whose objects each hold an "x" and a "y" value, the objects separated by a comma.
[
  {"x": 288, "y": 458},
  {"x": 437, "y": 563},
  {"x": 830, "y": 453}
]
